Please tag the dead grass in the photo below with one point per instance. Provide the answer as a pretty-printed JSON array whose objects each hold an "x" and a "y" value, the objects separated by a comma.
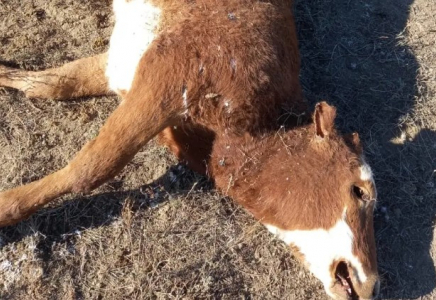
[{"x": 175, "y": 237}]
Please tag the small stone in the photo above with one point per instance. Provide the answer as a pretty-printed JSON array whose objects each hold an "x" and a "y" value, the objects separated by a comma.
[
  {"x": 5, "y": 265},
  {"x": 172, "y": 177}
]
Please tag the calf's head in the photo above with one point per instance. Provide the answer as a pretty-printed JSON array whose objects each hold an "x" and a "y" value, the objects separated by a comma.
[{"x": 317, "y": 194}]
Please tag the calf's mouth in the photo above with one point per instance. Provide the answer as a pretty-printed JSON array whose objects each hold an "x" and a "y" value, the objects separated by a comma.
[{"x": 342, "y": 276}]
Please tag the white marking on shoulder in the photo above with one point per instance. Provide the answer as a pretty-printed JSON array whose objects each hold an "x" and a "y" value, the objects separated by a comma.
[
  {"x": 366, "y": 172},
  {"x": 135, "y": 24},
  {"x": 322, "y": 247}
]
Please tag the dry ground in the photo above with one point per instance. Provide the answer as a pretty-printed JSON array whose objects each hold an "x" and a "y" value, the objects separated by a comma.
[{"x": 159, "y": 231}]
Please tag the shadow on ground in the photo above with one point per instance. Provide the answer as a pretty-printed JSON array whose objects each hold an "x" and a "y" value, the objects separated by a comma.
[
  {"x": 86, "y": 212},
  {"x": 352, "y": 56}
]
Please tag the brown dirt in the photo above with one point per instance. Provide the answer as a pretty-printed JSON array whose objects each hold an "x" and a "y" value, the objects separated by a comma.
[{"x": 159, "y": 231}]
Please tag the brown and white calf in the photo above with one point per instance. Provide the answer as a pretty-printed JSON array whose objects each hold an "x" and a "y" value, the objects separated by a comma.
[{"x": 217, "y": 81}]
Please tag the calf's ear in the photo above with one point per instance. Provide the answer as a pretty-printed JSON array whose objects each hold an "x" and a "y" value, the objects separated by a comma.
[{"x": 324, "y": 119}]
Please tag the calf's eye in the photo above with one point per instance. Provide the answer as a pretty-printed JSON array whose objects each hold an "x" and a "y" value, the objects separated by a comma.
[{"x": 360, "y": 193}]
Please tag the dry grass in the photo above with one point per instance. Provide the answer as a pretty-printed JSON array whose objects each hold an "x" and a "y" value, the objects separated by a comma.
[{"x": 175, "y": 237}]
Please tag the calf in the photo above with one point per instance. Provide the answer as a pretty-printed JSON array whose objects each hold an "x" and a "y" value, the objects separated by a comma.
[{"x": 217, "y": 82}]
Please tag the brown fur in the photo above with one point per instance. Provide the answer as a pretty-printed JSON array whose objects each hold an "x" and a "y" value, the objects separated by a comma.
[
  {"x": 191, "y": 144},
  {"x": 240, "y": 70}
]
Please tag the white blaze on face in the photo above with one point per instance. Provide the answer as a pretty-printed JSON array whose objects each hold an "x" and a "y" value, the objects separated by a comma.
[
  {"x": 322, "y": 247},
  {"x": 367, "y": 175},
  {"x": 135, "y": 25},
  {"x": 366, "y": 172}
]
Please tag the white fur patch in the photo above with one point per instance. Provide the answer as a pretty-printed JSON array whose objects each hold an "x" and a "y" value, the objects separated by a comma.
[
  {"x": 322, "y": 247},
  {"x": 185, "y": 100},
  {"x": 135, "y": 25},
  {"x": 366, "y": 172}
]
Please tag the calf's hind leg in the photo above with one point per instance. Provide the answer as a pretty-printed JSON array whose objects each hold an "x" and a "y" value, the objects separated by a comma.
[
  {"x": 137, "y": 119},
  {"x": 83, "y": 77}
]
